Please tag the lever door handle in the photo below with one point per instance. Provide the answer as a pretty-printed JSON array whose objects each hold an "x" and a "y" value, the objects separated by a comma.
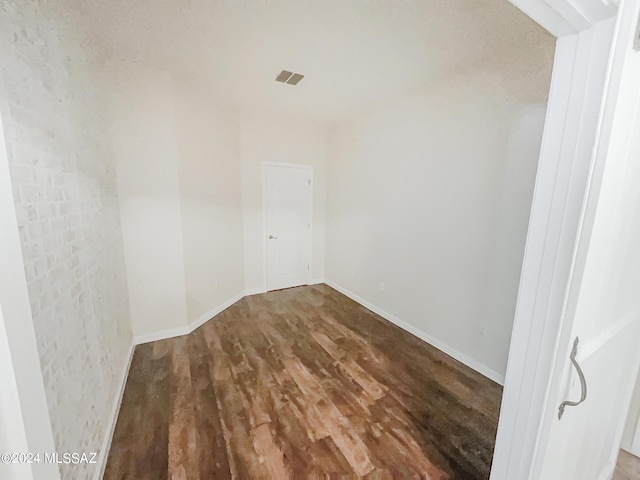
[
  {"x": 583, "y": 382},
  {"x": 271, "y": 237}
]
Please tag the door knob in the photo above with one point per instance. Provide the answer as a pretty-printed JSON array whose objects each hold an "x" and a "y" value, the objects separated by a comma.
[{"x": 271, "y": 237}]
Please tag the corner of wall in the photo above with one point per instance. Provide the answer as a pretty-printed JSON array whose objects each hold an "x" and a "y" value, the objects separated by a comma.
[{"x": 491, "y": 374}]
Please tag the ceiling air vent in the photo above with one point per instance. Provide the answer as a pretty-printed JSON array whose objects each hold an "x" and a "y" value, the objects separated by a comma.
[
  {"x": 295, "y": 79},
  {"x": 284, "y": 76},
  {"x": 289, "y": 77}
]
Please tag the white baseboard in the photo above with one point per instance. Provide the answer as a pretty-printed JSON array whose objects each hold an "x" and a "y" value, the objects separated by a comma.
[
  {"x": 161, "y": 335},
  {"x": 461, "y": 357},
  {"x": 452, "y": 352},
  {"x": 179, "y": 331},
  {"x": 113, "y": 418},
  {"x": 260, "y": 290},
  {"x": 255, "y": 291},
  {"x": 215, "y": 311}
]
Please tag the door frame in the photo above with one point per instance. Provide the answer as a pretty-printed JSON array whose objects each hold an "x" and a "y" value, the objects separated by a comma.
[
  {"x": 621, "y": 106},
  {"x": 635, "y": 443},
  {"x": 265, "y": 262},
  {"x": 553, "y": 227},
  {"x": 23, "y": 401}
]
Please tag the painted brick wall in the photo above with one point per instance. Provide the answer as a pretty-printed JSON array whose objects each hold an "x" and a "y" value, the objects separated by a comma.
[{"x": 65, "y": 192}]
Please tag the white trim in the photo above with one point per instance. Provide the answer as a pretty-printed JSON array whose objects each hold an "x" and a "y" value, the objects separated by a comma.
[
  {"x": 255, "y": 291},
  {"x": 618, "y": 122},
  {"x": 312, "y": 186},
  {"x": 286, "y": 165},
  {"x": 177, "y": 332},
  {"x": 215, "y": 311},
  {"x": 572, "y": 114},
  {"x": 265, "y": 263},
  {"x": 23, "y": 392},
  {"x": 263, "y": 289},
  {"x": 543, "y": 14},
  {"x": 635, "y": 444},
  {"x": 566, "y": 17},
  {"x": 115, "y": 411},
  {"x": 185, "y": 330},
  {"x": 449, "y": 350},
  {"x": 161, "y": 335},
  {"x": 265, "y": 278}
]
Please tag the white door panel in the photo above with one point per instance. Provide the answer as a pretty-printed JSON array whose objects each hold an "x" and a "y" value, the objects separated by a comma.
[
  {"x": 602, "y": 305},
  {"x": 288, "y": 225},
  {"x": 584, "y": 444}
]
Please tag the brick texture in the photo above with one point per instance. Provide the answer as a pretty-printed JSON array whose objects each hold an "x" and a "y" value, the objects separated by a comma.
[{"x": 64, "y": 187}]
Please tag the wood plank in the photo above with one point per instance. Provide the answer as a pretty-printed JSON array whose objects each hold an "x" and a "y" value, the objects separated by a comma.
[
  {"x": 140, "y": 444},
  {"x": 302, "y": 383},
  {"x": 211, "y": 444},
  {"x": 628, "y": 467}
]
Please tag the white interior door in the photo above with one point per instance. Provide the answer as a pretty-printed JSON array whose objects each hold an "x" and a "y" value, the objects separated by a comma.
[
  {"x": 602, "y": 306},
  {"x": 288, "y": 225}
]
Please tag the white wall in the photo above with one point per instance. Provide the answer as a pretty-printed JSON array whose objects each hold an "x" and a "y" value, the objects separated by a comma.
[
  {"x": 264, "y": 138},
  {"x": 431, "y": 197},
  {"x": 179, "y": 188},
  {"x": 408, "y": 187},
  {"x": 144, "y": 139},
  {"x": 64, "y": 189},
  {"x": 190, "y": 184},
  {"x": 210, "y": 199}
]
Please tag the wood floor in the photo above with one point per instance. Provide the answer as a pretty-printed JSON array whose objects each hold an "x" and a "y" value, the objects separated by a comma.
[
  {"x": 302, "y": 383},
  {"x": 628, "y": 467}
]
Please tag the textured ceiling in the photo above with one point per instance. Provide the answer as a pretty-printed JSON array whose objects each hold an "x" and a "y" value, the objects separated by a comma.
[{"x": 355, "y": 55}]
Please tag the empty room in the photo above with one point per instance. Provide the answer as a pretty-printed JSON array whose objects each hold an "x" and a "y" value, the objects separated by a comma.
[{"x": 319, "y": 239}]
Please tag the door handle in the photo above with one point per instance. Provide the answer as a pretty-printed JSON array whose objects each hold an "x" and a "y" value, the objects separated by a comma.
[
  {"x": 583, "y": 382},
  {"x": 271, "y": 237}
]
